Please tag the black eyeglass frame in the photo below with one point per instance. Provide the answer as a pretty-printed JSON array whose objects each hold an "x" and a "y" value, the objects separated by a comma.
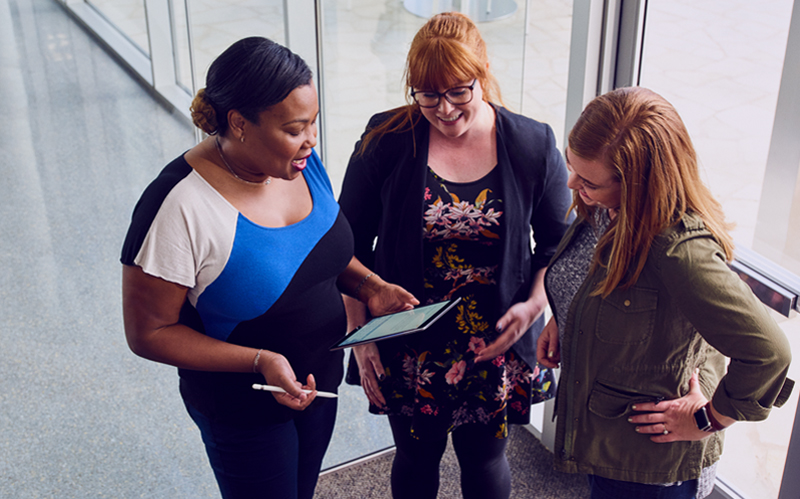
[{"x": 439, "y": 95}]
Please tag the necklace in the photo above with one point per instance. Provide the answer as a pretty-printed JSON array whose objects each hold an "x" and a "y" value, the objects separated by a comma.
[{"x": 219, "y": 150}]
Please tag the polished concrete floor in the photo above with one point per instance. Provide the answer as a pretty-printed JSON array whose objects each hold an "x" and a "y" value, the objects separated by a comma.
[{"x": 80, "y": 415}]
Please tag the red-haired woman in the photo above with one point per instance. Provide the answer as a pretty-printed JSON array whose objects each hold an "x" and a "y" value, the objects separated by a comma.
[
  {"x": 451, "y": 185},
  {"x": 646, "y": 309}
]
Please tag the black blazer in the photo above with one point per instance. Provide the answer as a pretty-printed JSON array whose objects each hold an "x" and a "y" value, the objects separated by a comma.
[{"x": 382, "y": 196}]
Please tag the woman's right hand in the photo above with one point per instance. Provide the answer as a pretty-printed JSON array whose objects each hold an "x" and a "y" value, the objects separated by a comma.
[
  {"x": 548, "y": 351},
  {"x": 278, "y": 372},
  {"x": 370, "y": 369}
]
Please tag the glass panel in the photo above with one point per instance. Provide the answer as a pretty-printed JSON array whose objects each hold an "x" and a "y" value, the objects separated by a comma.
[
  {"x": 180, "y": 40},
  {"x": 547, "y": 46},
  {"x": 217, "y": 24},
  {"x": 720, "y": 63},
  {"x": 544, "y": 94},
  {"x": 128, "y": 16},
  {"x": 364, "y": 48}
]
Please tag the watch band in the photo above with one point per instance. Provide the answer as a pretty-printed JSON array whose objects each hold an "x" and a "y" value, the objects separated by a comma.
[
  {"x": 706, "y": 421},
  {"x": 716, "y": 425}
]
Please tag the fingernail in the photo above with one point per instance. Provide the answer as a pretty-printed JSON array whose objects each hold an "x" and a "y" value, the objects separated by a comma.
[
  {"x": 630, "y": 420},
  {"x": 499, "y": 329},
  {"x": 633, "y": 407},
  {"x": 381, "y": 377},
  {"x": 637, "y": 429},
  {"x": 551, "y": 354}
]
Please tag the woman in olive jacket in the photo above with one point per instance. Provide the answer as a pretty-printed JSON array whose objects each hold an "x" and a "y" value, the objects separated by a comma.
[{"x": 646, "y": 310}]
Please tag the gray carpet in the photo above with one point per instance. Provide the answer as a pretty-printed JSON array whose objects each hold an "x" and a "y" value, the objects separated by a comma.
[{"x": 532, "y": 475}]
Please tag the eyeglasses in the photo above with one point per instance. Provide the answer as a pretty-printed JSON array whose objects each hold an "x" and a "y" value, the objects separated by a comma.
[{"x": 456, "y": 96}]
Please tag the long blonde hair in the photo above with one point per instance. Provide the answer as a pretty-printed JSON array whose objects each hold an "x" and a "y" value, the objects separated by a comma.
[
  {"x": 447, "y": 50},
  {"x": 641, "y": 138}
]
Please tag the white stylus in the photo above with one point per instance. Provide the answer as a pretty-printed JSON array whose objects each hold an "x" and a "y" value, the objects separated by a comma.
[{"x": 278, "y": 389}]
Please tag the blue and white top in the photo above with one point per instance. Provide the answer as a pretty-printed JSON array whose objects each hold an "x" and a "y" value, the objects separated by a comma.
[{"x": 271, "y": 288}]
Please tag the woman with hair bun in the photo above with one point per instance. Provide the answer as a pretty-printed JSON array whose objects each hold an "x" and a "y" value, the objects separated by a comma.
[
  {"x": 452, "y": 185},
  {"x": 233, "y": 269},
  {"x": 646, "y": 310}
]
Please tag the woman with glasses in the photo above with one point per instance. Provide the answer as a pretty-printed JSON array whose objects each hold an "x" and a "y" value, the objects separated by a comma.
[
  {"x": 646, "y": 311},
  {"x": 452, "y": 185}
]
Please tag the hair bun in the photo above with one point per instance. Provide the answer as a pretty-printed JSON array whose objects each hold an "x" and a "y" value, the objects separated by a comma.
[{"x": 204, "y": 116}]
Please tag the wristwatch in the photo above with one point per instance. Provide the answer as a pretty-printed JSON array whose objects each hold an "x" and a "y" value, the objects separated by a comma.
[
  {"x": 702, "y": 420},
  {"x": 705, "y": 420}
]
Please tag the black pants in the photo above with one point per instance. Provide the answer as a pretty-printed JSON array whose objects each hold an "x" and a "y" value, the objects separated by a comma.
[
  {"x": 481, "y": 456},
  {"x": 279, "y": 461}
]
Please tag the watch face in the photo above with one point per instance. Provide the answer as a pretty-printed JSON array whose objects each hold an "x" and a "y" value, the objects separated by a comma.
[{"x": 701, "y": 418}]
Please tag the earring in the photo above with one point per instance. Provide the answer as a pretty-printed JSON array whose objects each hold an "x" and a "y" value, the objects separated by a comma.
[{"x": 242, "y": 138}]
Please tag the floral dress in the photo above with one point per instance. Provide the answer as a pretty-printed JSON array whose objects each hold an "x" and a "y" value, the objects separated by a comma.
[{"x": 431, "y": 376}]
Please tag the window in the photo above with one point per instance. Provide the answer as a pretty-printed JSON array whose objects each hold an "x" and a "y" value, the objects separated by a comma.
[{"x": 720, "y": 64}]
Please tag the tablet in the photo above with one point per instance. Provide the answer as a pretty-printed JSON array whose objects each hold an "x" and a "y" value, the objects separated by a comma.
[{"x": 398, "y": 324}]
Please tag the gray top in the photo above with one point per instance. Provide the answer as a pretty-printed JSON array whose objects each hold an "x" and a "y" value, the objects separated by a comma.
[{"x": 568, "y": 272}]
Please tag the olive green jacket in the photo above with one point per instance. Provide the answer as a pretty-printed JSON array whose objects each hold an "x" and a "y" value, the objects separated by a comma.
[{"x": 687, "y": 310}]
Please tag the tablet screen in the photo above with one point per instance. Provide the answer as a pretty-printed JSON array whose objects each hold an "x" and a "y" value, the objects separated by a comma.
[{"x": 400, "y": 323}]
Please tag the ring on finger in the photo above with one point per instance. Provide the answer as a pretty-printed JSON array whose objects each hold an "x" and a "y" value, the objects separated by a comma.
[{"x": 666, "y": 431}]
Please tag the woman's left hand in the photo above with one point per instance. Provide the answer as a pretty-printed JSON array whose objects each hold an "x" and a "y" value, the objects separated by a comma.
[
  {"x": 672, "y": 420},
  {"x": 512, "y": 325},
  {"x": 389, "y": 298}
]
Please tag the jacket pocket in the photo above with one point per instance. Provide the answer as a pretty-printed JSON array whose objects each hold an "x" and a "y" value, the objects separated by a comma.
[
  {"x": 627, "y": 317},
  {"x": 612, "y": 401}
]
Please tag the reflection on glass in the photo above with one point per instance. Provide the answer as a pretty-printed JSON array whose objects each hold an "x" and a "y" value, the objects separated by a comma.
[
  {"x": 720, "y": 62},
  {"x": 547, "y": 47},
  {"x": 217, "y": 24},
  {"x": 180, "y": 40},
  {"x": 128, "y": 17},
  {"x": 364, "y": 49}
]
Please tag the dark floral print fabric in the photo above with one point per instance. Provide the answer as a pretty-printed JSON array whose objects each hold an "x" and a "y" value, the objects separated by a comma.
[{"x": 432, "y": 376}]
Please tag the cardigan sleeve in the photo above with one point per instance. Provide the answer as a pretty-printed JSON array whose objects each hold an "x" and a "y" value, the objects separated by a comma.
[
  {"x": 550, "y": 218},
  {"x": 360, "y": 197},
  {"x": 730, "y": 318}
]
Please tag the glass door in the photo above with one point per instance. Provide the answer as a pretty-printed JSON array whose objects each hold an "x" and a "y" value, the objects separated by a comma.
[{"x": 721, "y": 63}]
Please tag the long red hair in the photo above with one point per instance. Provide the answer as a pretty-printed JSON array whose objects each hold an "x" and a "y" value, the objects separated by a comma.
[
  {"x": 641, "y": 138},
  {"x": 447, "y": 50}
]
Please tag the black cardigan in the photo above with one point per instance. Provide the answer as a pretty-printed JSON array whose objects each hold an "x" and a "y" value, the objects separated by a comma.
[{"x": 382, "y": 196}]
